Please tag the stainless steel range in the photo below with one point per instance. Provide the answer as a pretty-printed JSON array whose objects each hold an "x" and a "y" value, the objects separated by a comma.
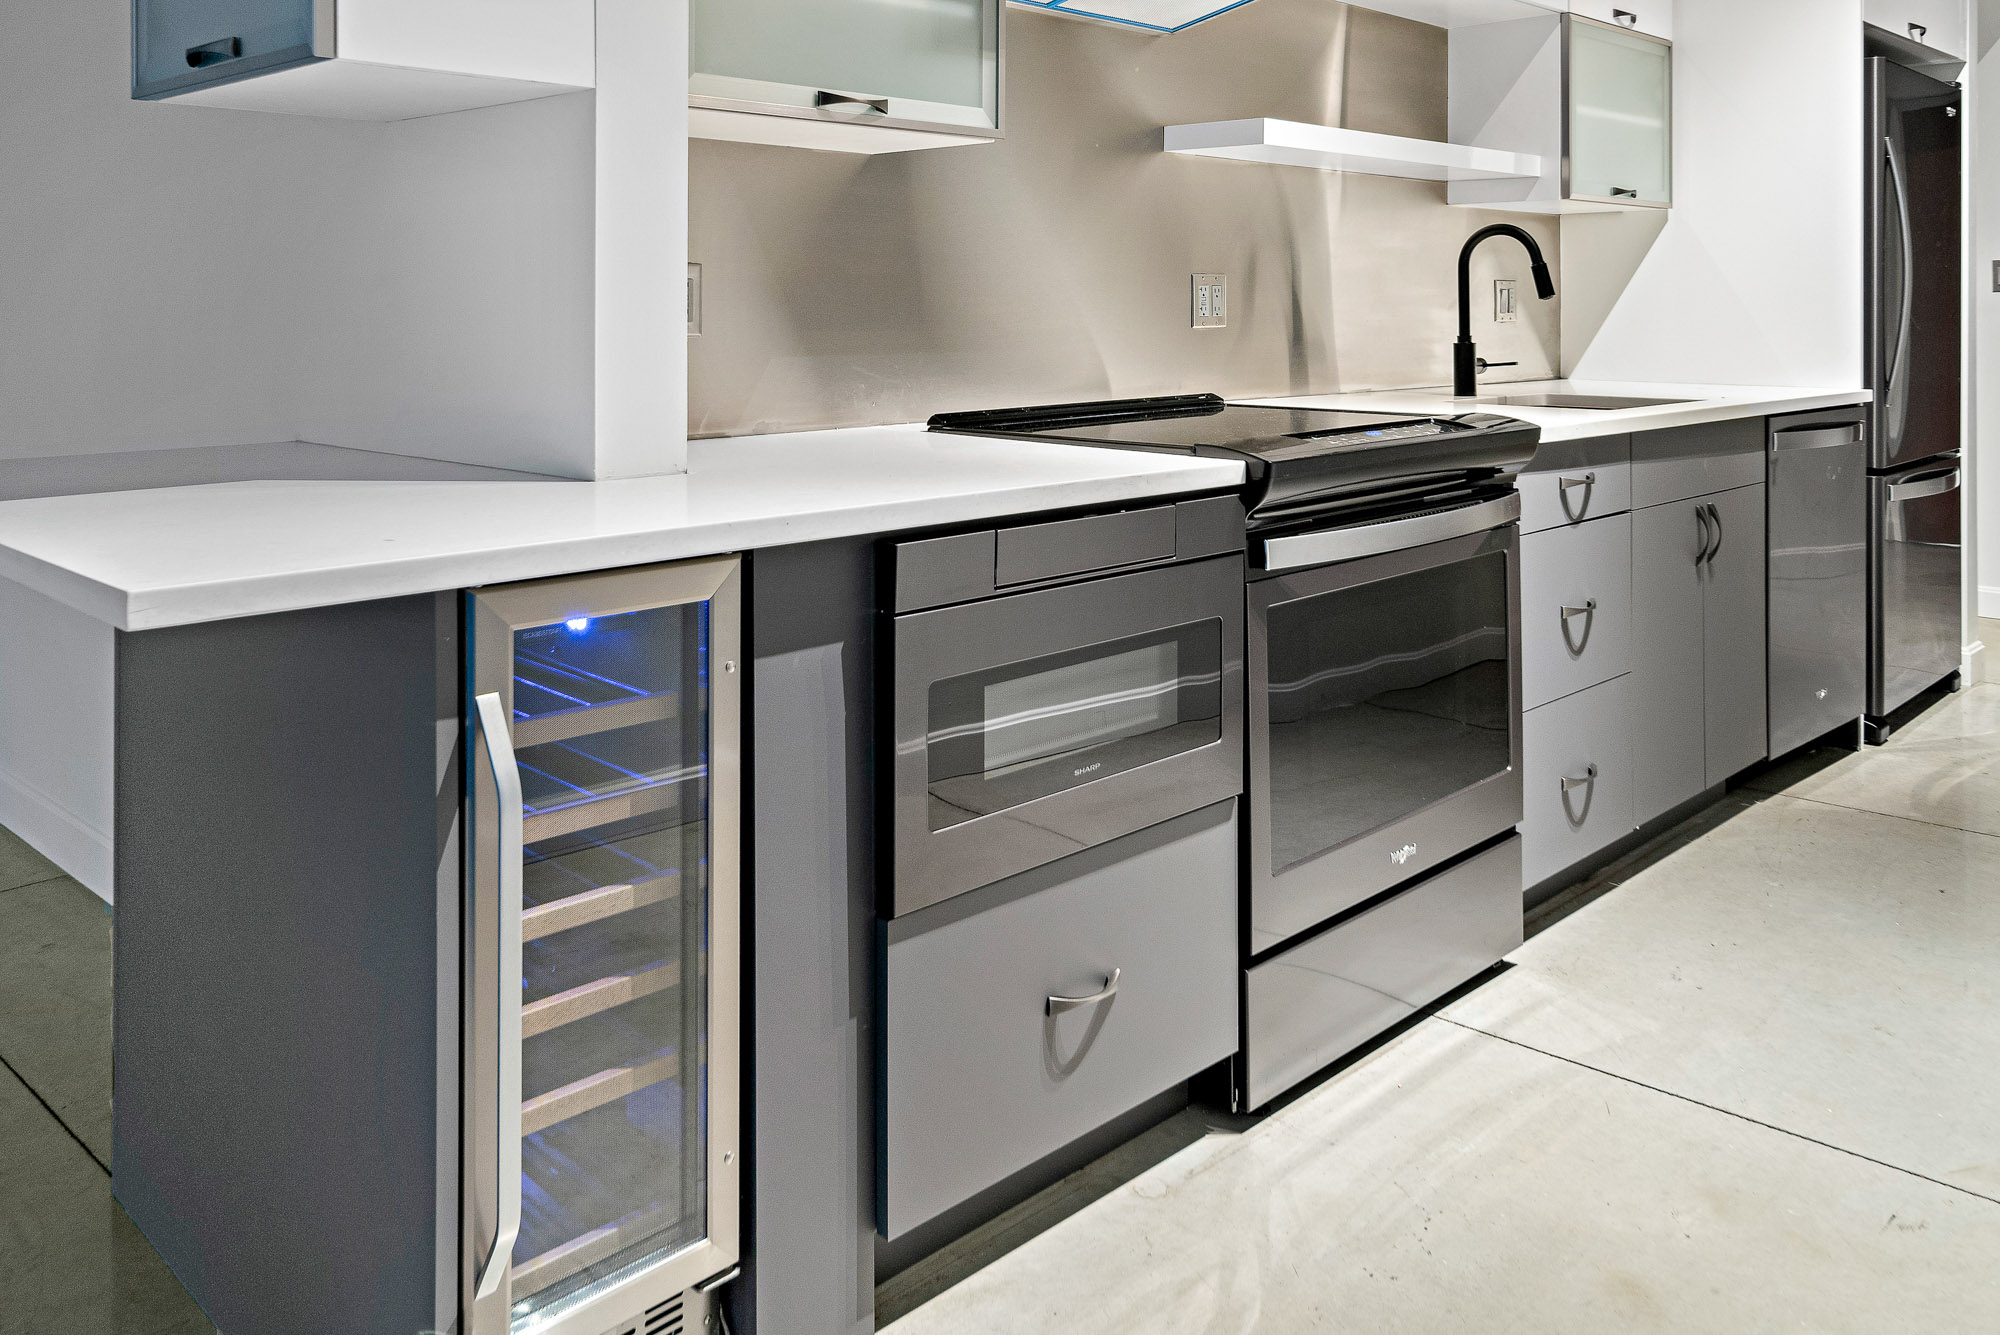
[{"x": 1381, "y": 867}]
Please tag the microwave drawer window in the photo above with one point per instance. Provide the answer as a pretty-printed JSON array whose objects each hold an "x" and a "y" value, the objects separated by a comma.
[{"x": 1012, "y": 734}]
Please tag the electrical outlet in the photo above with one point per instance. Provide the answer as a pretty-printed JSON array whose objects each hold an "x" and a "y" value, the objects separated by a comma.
[
  {"x": 1210, "y": 306},
  {"x": 1506, "y": 303},
  {"x": 694, "y": 299}
]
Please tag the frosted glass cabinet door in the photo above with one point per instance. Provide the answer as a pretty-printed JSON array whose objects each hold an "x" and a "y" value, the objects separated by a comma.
[
  {"x": 933, "y": 61},
  {"x": 1621, "y": 92}
]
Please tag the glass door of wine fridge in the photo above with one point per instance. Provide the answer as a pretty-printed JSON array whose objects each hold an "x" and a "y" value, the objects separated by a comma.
[{"x": 601, "y": 1009}]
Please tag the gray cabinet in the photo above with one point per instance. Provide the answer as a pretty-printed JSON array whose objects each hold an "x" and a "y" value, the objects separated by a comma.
[
  {"x": 1698, "y": 678},
  {"x": 1577, "y": 759},
  {"x": 1023, "y": 1016},
  {"x": 361, "y": 59}
]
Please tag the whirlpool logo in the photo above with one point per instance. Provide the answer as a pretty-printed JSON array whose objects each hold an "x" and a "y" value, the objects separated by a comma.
[{"x": 1403, "y": 854}]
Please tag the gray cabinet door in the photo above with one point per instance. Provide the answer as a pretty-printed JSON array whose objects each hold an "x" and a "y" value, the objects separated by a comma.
[
  {"x": 1669, "y": 746},
  {"x": 182, "y": 43},
  {"x": 1577, "y": 766},
  {"x": 1687, "y": 462},
  {"x": 1736, "y": 649},
  {"x": 1576, "y": 608}
]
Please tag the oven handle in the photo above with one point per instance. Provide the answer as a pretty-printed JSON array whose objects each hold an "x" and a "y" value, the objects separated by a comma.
[{"x": 1395, "y": 535}]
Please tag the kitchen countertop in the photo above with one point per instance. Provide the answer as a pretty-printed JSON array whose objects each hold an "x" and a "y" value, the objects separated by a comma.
[
  {"x": 311, "y": 526},
  {"x": 1713, "y": 403}
]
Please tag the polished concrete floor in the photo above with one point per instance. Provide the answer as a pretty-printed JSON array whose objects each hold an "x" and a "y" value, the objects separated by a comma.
[{"x": 1747, "y": 1084}]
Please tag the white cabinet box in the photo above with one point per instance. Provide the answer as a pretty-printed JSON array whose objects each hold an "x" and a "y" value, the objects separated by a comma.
[
  {"x": 1594, "y": 100},
  {"x": 361, "y": 59},
  {"x": 850, "y": 76}
]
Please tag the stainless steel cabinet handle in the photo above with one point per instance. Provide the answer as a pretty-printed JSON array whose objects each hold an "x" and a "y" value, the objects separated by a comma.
[
  {"x": 1919, "y": 31},
  {"x": 878, "y": 106},
  {"x": 491, "y": 1293},
  {"x": 1625, "y": 17},
  {"x": 1715, "y": 518},
  {"x": 1702, "y": 536},
  {"x": 1571, "y": 784},
  {"x": 1588, "y": 607},
  {"x": 1623, "y": 192},
  {"x": 1933, "y": 484},
  {"x": 1057, "y": 1004},
  {"x": 1565, "y": 485}
]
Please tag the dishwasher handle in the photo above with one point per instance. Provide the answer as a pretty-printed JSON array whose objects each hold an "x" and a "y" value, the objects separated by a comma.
[
  {"x": 1788, "y": 438},
  {"x": 491, "y": 1297}
]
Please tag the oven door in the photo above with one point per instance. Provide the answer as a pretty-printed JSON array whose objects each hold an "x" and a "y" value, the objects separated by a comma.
[
  {"x": 1385, "y": 720},
  {"x": 1030, "y": 727}
]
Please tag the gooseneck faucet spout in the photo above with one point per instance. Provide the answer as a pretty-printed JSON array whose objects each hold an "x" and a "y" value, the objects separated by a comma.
[{"x": 1465, "y": 354}]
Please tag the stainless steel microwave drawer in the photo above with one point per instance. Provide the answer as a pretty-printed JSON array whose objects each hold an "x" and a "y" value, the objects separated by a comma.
[
  {"x": 1577, "y": 793},
  {"x": 1576, "y": 608},
  {"x": 1320, "y": 1000},
  {"x": 1574, "y": 482},
  {"x": 980, "y": 1079}
]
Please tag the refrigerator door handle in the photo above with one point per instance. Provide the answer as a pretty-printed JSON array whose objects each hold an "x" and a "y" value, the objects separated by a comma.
[
  {"x": 1926, "y": 484},
  {"x": 490, "y": 1294},
  {"x": 1895, "y": 392}
]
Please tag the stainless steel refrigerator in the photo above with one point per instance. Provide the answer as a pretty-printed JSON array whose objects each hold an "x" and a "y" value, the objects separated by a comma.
[{"x": 1915, "y": 342}]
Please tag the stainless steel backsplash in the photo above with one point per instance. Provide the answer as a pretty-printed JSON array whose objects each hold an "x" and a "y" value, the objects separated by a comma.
[{"x": 842, "y": 290}]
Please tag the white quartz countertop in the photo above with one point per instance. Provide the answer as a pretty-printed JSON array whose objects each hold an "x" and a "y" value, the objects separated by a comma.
[
  {"x": 1707, "y": 403},
  {"x": 317, "y": 527}
]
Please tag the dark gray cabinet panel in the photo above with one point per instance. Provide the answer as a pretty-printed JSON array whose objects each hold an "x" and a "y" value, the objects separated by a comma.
[
  {"x": 1576, "y": 608},
  {"x": 980, "y": 1080},
  {"x": 185, "y": 43},
  {"x": 1669, "y": 744},
  {"x": 1690, "y": 461},
  {"x": 1735, "y": 648},
  {"x": 1577, "y": 758},
  {"x": 285, "y": 963},
  {"x": 1322, "y": 999}
]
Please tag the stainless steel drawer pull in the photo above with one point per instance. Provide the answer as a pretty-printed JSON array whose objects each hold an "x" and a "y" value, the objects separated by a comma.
[
  {"x": 1057, "y": 1005},
  {"x": 1930, "y": 484},
  {"x": 1570, "y": 784},
  {"x": 1625, "y": 18},
  {"x": 1584, "y": 611},
  {"x": 1564, "y": 486},
  {"x": 876, "y": 106},
  {"x": 1623, "y": 192},
  {"x": 1587, "y": 480},
  {"x": 1919, "y": 31}
]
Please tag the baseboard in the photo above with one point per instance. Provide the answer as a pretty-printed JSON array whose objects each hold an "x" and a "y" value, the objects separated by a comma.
[
  {"x": 1974, "y": 671},
  {"x": 1989, "y": 602},
  {"x": 57, "y": 833}
]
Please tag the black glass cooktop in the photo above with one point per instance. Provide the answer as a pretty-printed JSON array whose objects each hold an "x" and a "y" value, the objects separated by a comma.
[{"x": 1293, "y": 454}]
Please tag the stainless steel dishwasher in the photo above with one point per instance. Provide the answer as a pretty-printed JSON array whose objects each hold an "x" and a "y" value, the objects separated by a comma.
[{"x": 1819, "y": 576}]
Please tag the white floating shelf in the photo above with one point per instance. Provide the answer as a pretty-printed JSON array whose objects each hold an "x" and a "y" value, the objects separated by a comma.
[{"x": 1295, "y": 144}]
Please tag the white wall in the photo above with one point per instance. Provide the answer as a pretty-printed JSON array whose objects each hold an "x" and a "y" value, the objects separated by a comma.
[
  {"x": 1756, "y": 278},
  {"x": 55, "y": 732},
  {"x": 175, "y": 276},
  {"x": 1985, "y": 194}
]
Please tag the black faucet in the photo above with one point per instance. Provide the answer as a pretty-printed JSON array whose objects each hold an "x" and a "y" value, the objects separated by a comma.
[{"x": 1465, "y": 355}]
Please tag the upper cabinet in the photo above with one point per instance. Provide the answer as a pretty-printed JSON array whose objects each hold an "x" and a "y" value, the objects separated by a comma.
[
  {"x": 1152, "y": 15},
  {"x": 361, "y": 59},
  {"x": 1937, "y": 24},
  {"x": 1593, "y": 99},
  {"x": 852, "y": 76}
]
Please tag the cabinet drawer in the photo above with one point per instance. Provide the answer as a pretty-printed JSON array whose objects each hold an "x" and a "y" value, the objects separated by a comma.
[
  {"x": 1318, "y": 1001},
  {"x": 1694, "y": 461},
  {"x": 1576, "y": 761},
  {"x": 1576, "y": 608},
  {"x": 980, "y": 1081},
  {"x": 1566, "y": 497}
]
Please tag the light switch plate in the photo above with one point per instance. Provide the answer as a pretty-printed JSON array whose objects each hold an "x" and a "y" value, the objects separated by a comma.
[
  {"x": 1996, "y": 275},
  {"x": 1210, "y": 309},
  {"x": 1506, "y": 301},
  {"x": 694, "y": 299}
]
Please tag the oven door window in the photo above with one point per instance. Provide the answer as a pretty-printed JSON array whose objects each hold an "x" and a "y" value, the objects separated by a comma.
[
  {"x": 1383, "y": 699},
  {"x": 1006, "y": 736}
]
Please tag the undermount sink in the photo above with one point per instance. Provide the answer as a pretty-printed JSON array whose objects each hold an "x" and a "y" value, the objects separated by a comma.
[{"x": 1595, "y": 402}]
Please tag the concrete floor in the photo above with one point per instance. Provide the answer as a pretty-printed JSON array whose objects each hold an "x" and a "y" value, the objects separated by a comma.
[{"x": 1748, "y": 1086}]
